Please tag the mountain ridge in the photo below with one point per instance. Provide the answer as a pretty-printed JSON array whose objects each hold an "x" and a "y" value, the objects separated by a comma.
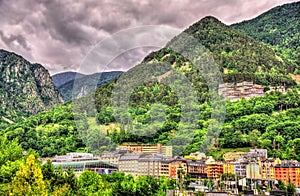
[
  {"x": 279, "y": 28},
  {"x": 60, "y": 79},
  {"x": 79, "y": 84},
  {"x": 26, "y": 88}
]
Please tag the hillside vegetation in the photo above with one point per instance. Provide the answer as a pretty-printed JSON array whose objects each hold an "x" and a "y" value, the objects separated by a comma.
[
  {"x": 279, "y": 28},
  {"x": 272, "y": 120}
]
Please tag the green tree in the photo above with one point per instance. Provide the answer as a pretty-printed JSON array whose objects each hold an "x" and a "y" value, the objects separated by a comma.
[{"x": 29, "y": 179}]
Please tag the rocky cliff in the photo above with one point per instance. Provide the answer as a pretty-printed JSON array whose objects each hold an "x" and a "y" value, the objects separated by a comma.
[{"x": 25, "y": 88}]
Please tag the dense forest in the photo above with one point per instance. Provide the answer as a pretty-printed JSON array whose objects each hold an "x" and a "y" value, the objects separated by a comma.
[
  {"x": 279, "y": 28},
  {"x": 270, "y": 122}
]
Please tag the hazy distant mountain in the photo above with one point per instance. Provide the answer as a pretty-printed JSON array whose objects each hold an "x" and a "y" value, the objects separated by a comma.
[
  {"x": 26, "y": 88},
  {"x": 84, "y": 83},
  {"x": 62, "y": 78}
]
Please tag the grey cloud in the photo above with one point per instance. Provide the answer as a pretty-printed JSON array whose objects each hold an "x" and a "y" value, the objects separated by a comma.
[
  {"x": 58, "y": 34},
  {"x": 8, "y": 40}
]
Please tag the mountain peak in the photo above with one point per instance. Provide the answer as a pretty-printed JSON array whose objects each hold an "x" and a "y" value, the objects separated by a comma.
[{"x": 210, "y": 18}]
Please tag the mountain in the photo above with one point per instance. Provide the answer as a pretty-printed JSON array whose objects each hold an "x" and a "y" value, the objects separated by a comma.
[
  {"x": 83, "y": 83},
  {"x": 62, "y": 78},
  {"x": 26, "y": 88},
  {"x": 239, "y": 57},
  {"x": 279, "y": 28}
]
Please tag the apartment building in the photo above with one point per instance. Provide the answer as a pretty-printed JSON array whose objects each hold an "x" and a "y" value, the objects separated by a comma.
[
  {"x": 176, "y": 164},
  {"x": 268, "y": 168},
  {"x": 213, "y": 168},
  {"x": 240, "y": 168},
  {"x": 129, "y": 164},
  {"x": 110, "y": 158},
  {"x": 153, "y": 165},
  {"x": 228, "y": 168},
  {"x": 288, "y": 172},
  {"x": 196, "y": 168},
  {"x": 253, "y": 170}
]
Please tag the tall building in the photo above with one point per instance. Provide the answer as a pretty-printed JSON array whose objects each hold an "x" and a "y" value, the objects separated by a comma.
[
  {"x": 175, "y": 165},
  {"x": 214, "y": 170},
  {"x": 288, "y": 171}
]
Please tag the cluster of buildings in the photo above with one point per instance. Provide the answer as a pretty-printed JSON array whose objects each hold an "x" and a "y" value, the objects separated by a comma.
[
  {"x": 236, "y": 91},
  {"x": 140, "y": 160}
]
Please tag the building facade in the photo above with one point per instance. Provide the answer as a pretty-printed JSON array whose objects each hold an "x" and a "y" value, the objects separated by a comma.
[
  {"x": 129, "y": 164},
  {"x": 148, "y": 148},
  {"x": 288, "y": 172},
  {"x": 228, "y": 168},
  {"x": 196, "y": 168},
  {"x": 268, "y": 168},
  {"x": 175, "y": 165}
]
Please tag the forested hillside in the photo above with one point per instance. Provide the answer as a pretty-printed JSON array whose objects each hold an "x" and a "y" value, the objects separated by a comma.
[{"x": 278, "y": 28}]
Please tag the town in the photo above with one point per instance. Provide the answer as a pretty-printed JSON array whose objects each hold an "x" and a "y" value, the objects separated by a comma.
[{"x": 250, "y": 172}]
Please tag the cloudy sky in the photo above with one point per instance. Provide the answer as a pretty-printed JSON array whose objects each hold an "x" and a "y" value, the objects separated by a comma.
[{"x": 59, "y": 34}]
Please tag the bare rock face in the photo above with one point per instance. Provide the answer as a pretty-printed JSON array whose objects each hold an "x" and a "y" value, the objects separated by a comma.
[{"x": 25, "y": 88}]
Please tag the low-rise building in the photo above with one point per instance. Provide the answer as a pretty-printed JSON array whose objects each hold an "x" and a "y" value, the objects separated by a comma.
[
  {"x": 148, "y": 148},
  {"x": 73, "y": 157},
  {"x": 258, "y": 154},
  {"x": 82, "y": 161},
  {"x": 233, "y": 156}
]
